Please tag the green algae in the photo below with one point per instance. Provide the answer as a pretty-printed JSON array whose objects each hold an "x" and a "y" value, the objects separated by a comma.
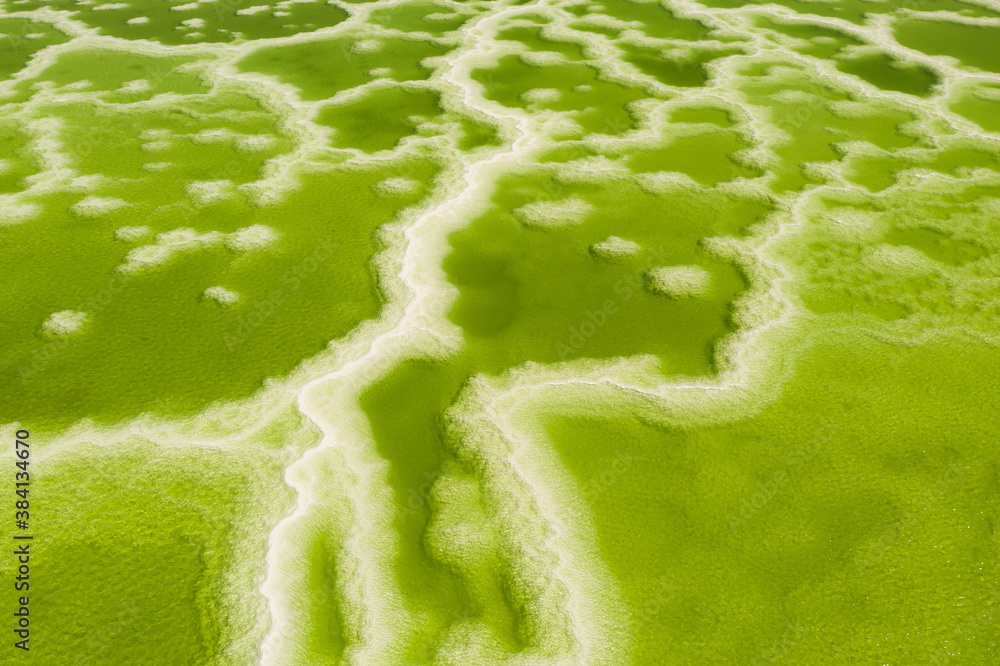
[
  {"x": 938, "y": 246},
  {"x": 819, "y": 41},
  {"x": 789, "y": 535},
  {"x": 685, "y": 71},
  {"x": 147, "y": 580},
  {"x": 814, "y": 128},
  {"x": 972, "y": 45},
  {"x": 598, "y": 29},
  {"x": 704, "y": 157},
  {"x": 539, "y": 295},
  {"x": 108, "y": 70},
  {"x": 598, "y": 106},
  {"x": 982, "y": 110},
  {"x": 516, "y": 308},
  {"x": 859, "y": 11},
  {"x": 214, "y": 22},
  {"x": 201, "y": 141},
  {"x": 395, "y": 112},
  {"x": 656, "y": 21},
  {"x": 21, "y": 40},
  {"x": 322, "y": 68},
  {"x": 533, "y": 38},
  {"x": 886, "y": 73},
  {"x": 876, "y": 173},
  {"x": 418, "y": 17},
  {"x": 17, "y": 162},
  {"x": 701, "y": 115},
  {"x": 153, "y": 338},
  {"x": 406, "y": 410},
  {"x": 326, "y": 630},
  {"x": 817, "y": 529}
]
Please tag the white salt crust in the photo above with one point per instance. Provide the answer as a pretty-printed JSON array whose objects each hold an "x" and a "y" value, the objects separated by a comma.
[
  {"x": 221, "y": 295},
  {"x": 615, "y": 247},
  {"x": 678, "y": 281},
  {"x": 64, "y": 323},
  {"x": 554, "y": 214}
]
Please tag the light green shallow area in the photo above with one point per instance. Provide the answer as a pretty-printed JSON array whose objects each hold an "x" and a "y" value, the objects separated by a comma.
[
  {"x": 852, "y": 520},
  {"x": 137, "y": 552},
  {"x": 295, "y": 292},
  {"x": 185, "y": 523}
]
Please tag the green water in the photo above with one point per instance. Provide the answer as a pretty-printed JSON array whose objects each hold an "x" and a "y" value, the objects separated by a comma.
[
  {"x": 656, "y": 22},
  {"x": 395, "y": 112},
  {"x": 138, "y": 552},
  {"x": 818, "y": 530},
  {"x": 983, "y": 111},
  {"x": 702, "y": 115},
  {"x": 822, "y": 41},
  {"x": 418, "y": 17},
  {"x": 887, "y": 74},
  {"x": 533, "y": 39},
  {"x": 972, "y": 45},
  {"x": 219, "y": 22},
  {"x": 156, "y": 343},
  {"x": 466, "y": 333},
  {"x": 323, "y": 67},
  {"x": 713, "y": 164},
  {"x": 600, "y": 107}
]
